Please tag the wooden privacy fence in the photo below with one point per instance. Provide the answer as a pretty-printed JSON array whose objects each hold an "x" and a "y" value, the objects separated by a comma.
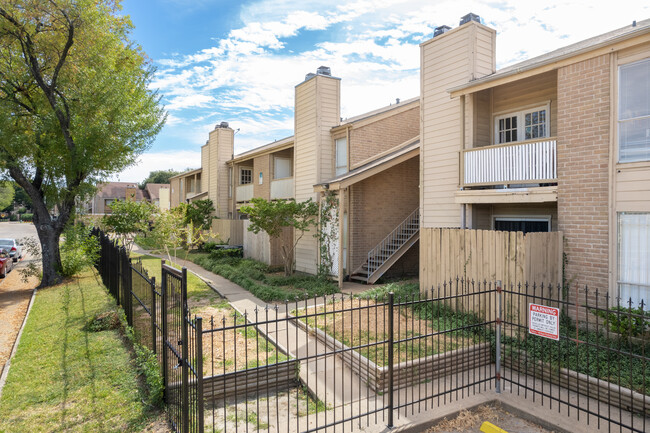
[
  {"x": 229, "y": 230},
  {"x": 488, "y": 255},
  {"x": 261, "y": 247}
]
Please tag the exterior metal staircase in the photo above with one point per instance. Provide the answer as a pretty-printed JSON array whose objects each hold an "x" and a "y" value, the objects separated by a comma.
[{"x": 389, "y": 250}]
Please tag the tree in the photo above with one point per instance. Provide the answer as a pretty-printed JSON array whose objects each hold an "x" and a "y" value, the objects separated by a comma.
[
  {"x": 169, "y": 231},
  {"x": 159, "y": 176},
  {"x": 127, "y": 219},
  {"x": 7, "y": 194},
  {"x": 74, "y": 106},
  {"x": 197, "y": 216},
  {"x": 273, "y": 216}
]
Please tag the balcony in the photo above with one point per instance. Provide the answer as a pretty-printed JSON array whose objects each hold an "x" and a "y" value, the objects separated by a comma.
[
  {"x": 282, "y": 188},
  {"x": 244, "y": 192},
  {"x": 531, "y": 162}
]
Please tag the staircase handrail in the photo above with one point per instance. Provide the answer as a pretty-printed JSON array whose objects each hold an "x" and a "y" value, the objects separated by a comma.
[{"x": 389, "y": 238}]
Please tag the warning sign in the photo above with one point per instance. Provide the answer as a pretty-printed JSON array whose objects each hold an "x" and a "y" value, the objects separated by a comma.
[{"x": 544, "y": 321}]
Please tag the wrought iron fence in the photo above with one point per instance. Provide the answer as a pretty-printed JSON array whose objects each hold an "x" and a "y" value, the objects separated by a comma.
[{"x": 340, "y": 363}]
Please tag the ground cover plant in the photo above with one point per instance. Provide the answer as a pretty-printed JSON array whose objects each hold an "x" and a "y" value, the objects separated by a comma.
[
  {"x": 65, "y": 377},
  {"x": 262, "y": 281}
]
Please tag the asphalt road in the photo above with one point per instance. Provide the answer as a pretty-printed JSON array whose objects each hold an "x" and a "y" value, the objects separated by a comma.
[{"x": 17, "y": 230}]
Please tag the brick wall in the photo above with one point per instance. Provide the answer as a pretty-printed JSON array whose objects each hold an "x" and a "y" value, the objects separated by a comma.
[
  {"x": 376, "y": 137},
  {"x": 378, "y": 204},
  {"x": 583, "y": 160}
]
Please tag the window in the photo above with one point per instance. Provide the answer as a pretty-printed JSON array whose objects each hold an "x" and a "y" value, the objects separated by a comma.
[
  {"x": 229, "y": 181},
  {"x": 341, "y": 156},
  {"x": 522, "y": 224},
  {"x": 524, "y": 125},
  {"x": 261, "y": 177},
  {"x": 245, "y": 176},
  {"x": 634, "y": 112},
  {"x": 634, "y": 258},
  {"x": 281, "y": 168}
]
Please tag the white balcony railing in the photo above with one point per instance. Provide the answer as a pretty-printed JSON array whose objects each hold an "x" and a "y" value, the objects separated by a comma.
[
  {"x": 282, "y": 188},
  {"x": 244, "y": 192},
  {"x": 519, "y": 163}
]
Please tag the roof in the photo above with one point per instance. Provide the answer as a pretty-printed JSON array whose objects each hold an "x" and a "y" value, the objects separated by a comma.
[
  {"x": 153, "y": 189},
  {"x": 195, "y": 196},
  {"x": 619, "y": 35},
  {"x": 118, "y": 190},
  {"x": 400, "y": 154},
  {"x": 276, "y": 145},
  {"x": 378, "y": 111},
  {"x": 187, "y": 173}
]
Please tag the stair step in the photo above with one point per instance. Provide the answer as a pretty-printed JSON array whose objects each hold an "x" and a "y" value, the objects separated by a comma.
[{"x": 357, "y": 278}]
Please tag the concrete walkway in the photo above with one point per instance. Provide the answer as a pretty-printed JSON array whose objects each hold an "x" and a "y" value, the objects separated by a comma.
[{"x": 326, "y": 376}]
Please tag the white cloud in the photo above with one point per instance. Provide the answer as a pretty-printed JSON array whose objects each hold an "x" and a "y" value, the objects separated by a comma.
[
  {"x": 248, "y": 76},
  {"x": 152, "y": 161}
]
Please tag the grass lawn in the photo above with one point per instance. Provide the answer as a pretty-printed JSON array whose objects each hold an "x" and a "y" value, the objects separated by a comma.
[{"x": 64, "y": 378}]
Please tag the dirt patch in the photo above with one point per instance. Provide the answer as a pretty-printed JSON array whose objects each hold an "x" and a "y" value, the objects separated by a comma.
[
  {"x": 357, "y": 322},
  {"x": 226, "y": 350},
  {"x": 471, "y": 421},
  {"x": 14, "y": 299}
]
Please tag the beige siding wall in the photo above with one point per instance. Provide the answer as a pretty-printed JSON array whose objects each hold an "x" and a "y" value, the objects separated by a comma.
[
  {"x": 378, "y": 204},
  {"x": 583, "y": 160},
  {"x": 205, "y": 166},
  {"x": 374, "y": 138},
  {"x": 175, "y": 193},
  {"x": 262, "y": 164},
  {"x": 451, "y": 59},
  {"x": 316, "y": 112}
]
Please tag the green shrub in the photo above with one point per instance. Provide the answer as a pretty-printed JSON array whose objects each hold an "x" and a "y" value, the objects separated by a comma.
[
  {"x": 13, "y": 217},
  {"x": 217, "y": 254},
  {"x": 210, "y": 246},
  {"x": 629, "y": 322},
  {"x": 22, "y": 210},
  {"x": 27, "y": 217},
  {"x": 79, "y": 251},
  {"x": 105, "y": 321}
]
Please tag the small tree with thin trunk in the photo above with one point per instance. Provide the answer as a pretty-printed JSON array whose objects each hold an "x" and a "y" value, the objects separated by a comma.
[
  {"x": 127, "y": 219},
  {"x": 272, "y": 217}
]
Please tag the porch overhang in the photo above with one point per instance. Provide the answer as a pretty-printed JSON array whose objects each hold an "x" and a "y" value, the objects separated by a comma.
[
  {"x": 197, "y": 196},
  {"x": 543, "y": 194},
  {"x": 405, "y": 152}
]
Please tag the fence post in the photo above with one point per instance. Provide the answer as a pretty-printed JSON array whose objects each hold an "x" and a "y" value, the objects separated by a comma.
[
  {"x": 128, "y": 285},
  {"x": 391, "y": 303},
  {"x": 165, "y": 336},
  {"x": 498, "y": 338},
  {"x": 199, "y": 372},
  {"x": 185, "y": 397},
  {"x": 153, "y": 315}
]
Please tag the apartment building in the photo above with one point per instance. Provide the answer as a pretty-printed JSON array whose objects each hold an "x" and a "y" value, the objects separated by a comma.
[
  {"x": 107, "y": 193},
  {"x": 557, "y": 142}
]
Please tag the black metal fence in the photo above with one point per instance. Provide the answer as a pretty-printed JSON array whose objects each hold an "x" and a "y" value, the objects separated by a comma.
[
  {"x": 161, "y": 320},
  {"x": 340, "y": 363}
]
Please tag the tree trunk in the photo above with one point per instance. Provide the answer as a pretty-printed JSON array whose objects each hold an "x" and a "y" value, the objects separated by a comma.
[{"x": 49, "y": 236}]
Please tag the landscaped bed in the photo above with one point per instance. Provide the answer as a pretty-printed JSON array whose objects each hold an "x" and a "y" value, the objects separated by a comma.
[{"x": 427, "y": 339}]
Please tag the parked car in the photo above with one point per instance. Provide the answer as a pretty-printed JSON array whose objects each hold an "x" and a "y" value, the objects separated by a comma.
[
  {"x": 6, "y": 263},
  {"x": 15, "y": 249}
]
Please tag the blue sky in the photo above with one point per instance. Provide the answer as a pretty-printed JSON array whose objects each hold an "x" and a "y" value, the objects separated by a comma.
[{"x": 239, "y": 62}]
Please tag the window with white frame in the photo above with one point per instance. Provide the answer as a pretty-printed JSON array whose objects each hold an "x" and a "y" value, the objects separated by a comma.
[
  {"x": 522, "y": 125},
  {"x": 634, "y": 258},
  {"x": 245, "y": 176},
  {"x": 634, "y": 111},
  {"x": 281, "y": 168},
  {"x": 341, "y": 156}
]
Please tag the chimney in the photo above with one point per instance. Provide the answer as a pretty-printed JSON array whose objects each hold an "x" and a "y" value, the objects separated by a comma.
[
  {"x": 440, "y": 30},
  {"x": 469, "y": 17},
  {"x": 397, "y": 101},
  {"x": 324, "y": 70},
  {"x": 222, "y": 125}
]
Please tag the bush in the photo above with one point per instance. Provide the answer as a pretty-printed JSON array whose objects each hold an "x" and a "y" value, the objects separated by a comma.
[
  {"x": 79, "y": 251},
  {"x": 13, "y": 217},
  {"x": 209, "y": 246},
  {"x": 22, "y": 210},
  {"x": 27, "y": 217},
  {"x": 217, "y": 254}
]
